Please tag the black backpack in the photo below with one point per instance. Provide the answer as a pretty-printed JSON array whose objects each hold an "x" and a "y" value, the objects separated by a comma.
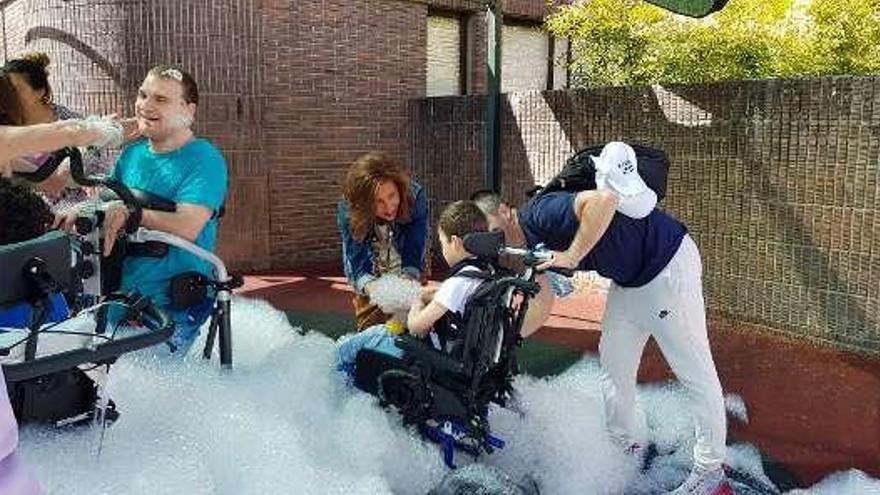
[{"x": 579, "y": 174}]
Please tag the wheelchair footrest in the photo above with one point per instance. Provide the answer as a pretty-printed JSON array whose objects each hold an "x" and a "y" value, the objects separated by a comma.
[{"x": 452, "y": 436}]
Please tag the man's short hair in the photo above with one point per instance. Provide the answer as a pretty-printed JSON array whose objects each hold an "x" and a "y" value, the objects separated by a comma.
[
  {"x": 487, "y": 200},
  {"x": 172, "y": 73},
  {"x": 462, "y": 218},
  {"x": 25, "y": 215}
]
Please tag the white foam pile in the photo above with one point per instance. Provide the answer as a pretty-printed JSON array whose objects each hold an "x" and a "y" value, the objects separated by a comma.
[
  {"x": 394, "y": 294},
  {"x": 284, "y": 421}
]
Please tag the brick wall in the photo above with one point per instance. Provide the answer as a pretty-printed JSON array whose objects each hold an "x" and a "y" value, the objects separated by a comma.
[
  {"x": 339, "y": 74},
  {"x": 293, "y": 90},
  {"x": 778, "y": 181}
]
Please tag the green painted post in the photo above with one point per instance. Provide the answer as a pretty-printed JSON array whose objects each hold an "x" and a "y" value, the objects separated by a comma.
[{"x": 492, "y": 171}]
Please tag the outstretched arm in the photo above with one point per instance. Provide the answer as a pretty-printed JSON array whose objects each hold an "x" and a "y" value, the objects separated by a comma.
[
  {"x": 44, "y": 138},
  {"x": 594, "y": 210}
]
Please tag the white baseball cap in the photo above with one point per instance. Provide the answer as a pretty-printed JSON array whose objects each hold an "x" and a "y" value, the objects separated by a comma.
[{"x": 618, "y": 167}]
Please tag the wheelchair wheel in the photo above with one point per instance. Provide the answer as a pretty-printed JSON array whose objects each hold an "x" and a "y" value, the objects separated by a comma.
[{"x": 405, "y": 391}]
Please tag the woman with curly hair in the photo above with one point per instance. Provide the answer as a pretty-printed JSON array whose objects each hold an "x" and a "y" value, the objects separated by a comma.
[
  {"x": 18, "y": 140},
  {"x": 30, "y": 76},
  {"x": 383, "y": 222}
]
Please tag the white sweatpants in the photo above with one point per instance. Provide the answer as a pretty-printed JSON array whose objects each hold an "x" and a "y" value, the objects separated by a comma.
[{"x": 671, "y": 308}]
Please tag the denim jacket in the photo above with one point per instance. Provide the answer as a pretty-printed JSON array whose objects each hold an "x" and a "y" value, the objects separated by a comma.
[{"x": 410, "y": 240}]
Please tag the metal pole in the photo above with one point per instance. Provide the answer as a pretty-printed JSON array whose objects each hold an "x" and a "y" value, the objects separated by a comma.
[{"x": 494, "y": 23}]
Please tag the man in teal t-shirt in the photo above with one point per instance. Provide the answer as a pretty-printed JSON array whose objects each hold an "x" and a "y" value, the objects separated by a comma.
[{"x": 172, "y": 163}]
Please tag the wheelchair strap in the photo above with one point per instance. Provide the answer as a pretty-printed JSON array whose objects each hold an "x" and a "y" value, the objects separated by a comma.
[
  {"x": 149, "y": 249},
  {"x": 450, "y": 324}
]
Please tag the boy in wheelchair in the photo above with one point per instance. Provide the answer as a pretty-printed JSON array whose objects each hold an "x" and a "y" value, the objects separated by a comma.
[{"x": 460, "y": 354}]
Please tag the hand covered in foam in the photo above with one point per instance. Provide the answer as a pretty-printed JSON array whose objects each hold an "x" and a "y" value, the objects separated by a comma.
[
  {"x": 393, "y": 293},
  {"x": 108, "y": 130}
]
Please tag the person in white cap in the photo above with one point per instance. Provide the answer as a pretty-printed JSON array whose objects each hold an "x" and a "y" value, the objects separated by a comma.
[
  {"x": 656, "y": 290},
  {"x": 617, "y": 170}
]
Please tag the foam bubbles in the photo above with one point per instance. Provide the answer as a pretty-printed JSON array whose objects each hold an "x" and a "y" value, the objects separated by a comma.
[
  {"x": 108, "y": 128},
  {"x": 394, "y": 293},
  {"x": 852, "y": 481},
  {"x": 284, "y": 421}
]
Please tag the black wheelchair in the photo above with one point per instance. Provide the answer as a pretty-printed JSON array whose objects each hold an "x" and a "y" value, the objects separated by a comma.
[
  {"x": 445, "y": 386},
  {"x": 65, "y": 386}
]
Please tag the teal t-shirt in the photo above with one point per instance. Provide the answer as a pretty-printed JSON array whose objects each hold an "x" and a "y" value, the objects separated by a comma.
[{"x": 194, "y": 174}]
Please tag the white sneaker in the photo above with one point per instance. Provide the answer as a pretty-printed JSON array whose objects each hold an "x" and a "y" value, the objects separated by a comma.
[{"x": 701, "y": 482}]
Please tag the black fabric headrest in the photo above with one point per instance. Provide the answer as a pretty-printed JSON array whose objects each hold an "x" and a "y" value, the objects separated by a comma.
[{"x": 486, "y": 245}]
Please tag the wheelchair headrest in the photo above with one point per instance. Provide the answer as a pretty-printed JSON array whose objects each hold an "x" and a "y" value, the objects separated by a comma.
[
  {"x": 485, "y": 245},
  {"x": 52, "y": 251}
]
